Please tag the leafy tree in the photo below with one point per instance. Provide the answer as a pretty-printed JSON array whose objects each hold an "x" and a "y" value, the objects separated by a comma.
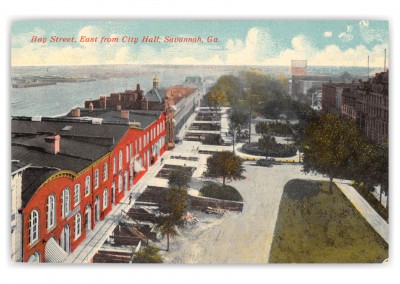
[
  {"x": 173, "y": 211},
  {"x": 263, "y": 128},
  {"x": 373, "y": 166},
  {"x": 217, "y": 97},
  {"x": 239, "y": 120},
  {"x": 232, "y": 87},
  {"x": 225, "y": 164},
  {"x": 330, "y": 146},
  {"x": 179, "y": 177},
  {"x": 148, "y": 254}
]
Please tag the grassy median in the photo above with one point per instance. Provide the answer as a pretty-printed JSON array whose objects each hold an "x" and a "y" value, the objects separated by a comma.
[{"x": 314, "y": 226}]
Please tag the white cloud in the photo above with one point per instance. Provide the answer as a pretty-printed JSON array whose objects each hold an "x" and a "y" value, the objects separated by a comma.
[
  {"x": 346, "y": 37},
  {"x": 26, "y": 38},
  {"x": 349, "y": 29},
  {"x": 328, "y": 34},
  {"x": 257, "y": 49},
  {"x": 370, "y": 34},
  {"x": 363, "y": 24},
  {"x": 258, "y": 46}
]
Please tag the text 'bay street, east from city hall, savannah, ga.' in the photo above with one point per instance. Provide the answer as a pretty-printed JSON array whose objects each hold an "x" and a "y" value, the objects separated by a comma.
[
  {"x": 122, "y": 39},
  {"x": 205, "y": 142}
]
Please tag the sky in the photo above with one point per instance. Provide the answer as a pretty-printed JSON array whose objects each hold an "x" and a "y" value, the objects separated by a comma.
[{"x": 234, "y": 42}]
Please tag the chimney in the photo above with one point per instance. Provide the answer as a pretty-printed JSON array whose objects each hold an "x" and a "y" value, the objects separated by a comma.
[
  {"x": 91, "y": 107},
  {"x": 138, "y": 87},
  {"x": 124, "y": 114},
  {"x": 118, "y": 107},
  {"x": 52, "y": 144},
  {"x": 103, "y": 102},
  {"x": 76, "y": 112}
]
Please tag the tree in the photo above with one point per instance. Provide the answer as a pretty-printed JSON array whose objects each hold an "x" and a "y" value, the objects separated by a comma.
[
  {"x": 180, "y": 177},
  {"x": 239, "y": 120},
  {"x": 266, "y": 141},
  {"x": 173, "y": 210},
  {"x": 217, "y": 97},
  {"x": 225, "y": 164},
  {"x": 148, "y": 254},
  {"x": 373, "y": 168},
  {"x": 330, "y": 146},
  {"x": 232, "y": 88}
]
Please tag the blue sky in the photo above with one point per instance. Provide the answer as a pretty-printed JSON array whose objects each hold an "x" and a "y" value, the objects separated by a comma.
[{"x": 256, "y": 42}]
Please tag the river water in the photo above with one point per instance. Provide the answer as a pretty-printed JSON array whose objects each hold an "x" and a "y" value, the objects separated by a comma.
[{"x": 58, "y": 99}]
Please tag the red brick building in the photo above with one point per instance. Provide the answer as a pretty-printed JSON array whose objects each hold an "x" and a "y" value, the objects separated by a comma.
[
  {"x": 178, "y": 103},
  {"x": 81, "y": 165},
  {"x": 364, "y": 102}
]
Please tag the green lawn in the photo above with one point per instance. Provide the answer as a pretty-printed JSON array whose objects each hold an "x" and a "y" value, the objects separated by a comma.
[{"x": 314, "y": 226}]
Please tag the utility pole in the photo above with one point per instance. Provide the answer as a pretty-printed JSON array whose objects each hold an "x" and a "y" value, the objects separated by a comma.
[
  {"x": 384, "y": 64},
  {"x": 251, "y": 107}
]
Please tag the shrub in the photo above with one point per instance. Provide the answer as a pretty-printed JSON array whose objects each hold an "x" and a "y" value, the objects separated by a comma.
[{"x": 218, "y": 191}]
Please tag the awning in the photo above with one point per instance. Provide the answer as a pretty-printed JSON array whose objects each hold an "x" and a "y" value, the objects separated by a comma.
[{"x": 54, "y": 253}]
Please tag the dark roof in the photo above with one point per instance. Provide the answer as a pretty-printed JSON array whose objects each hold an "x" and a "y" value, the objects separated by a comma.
[
  {"x": 156, "y": 95},
  {"x": 82, "y": 144},
  {"x": 32, "y": 178},
  {"x": 144, "y": 117},
  {"x": 17, "y": 166}
]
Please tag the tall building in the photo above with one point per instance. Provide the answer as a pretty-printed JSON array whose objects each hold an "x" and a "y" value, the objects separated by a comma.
[
  {"x": 80, "y": 166},
  {"x": 373, "y": 107},
  {"x": 332, "y": 96},
  {"x": 364, "y": 102},
  {"x": 298, "y": 68}
]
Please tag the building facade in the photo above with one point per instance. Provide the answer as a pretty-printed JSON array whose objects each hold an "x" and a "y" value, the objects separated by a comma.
[
  {"x": 372, "y": 105},
  {"x": 81, "y": 166},
  {"x": 364, "y": 102},
  {"x": 17, "y": 169},
  {"x": 178, "y": 103}
]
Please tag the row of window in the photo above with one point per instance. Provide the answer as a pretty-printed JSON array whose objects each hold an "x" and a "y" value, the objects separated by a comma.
[
  {"x": 51, "y": 215},
  {"x": 123, "y": 182},
  {"x": 34, "y": 224}
]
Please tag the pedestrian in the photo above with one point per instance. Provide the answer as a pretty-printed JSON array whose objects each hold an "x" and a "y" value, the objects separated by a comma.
[{"x": 130, "y": 198}]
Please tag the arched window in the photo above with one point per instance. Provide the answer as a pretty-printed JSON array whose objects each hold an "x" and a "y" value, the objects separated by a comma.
[
  {"x": 115, "y": 165},
  {"x": 105, "y": 171},
  {"x": 65, "y": 202},
  {"x": 33, "y": 227},
  {"x": 77, "y": 194},
  {"x": 126, "y": 153},
  {"x": 126, "y": 180},
  {"x": 120, "y": 183},
  {"x": 120, "y": 159},
  {"x": 87, "y": 186},
  {"x": 78, "y": 225},
  {"x": 130, "y": 151},
  {"x": 105, "y": 198},
  {"x": 34, "y": 258},
  {"x": 96, "y": 178},
  {"x": 51, "y": 212}
]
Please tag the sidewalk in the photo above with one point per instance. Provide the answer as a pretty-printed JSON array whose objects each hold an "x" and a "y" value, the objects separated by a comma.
[
  {"x": 96, "y": 237},
  {"x": 373, "y": 218}
]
